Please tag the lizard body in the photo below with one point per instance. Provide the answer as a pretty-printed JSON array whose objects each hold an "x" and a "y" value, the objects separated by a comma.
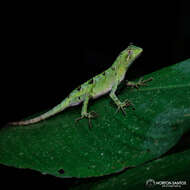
[{"x": 105, "y": 82}]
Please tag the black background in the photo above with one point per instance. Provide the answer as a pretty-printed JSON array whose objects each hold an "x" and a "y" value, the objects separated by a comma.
[{"x": 47, "y": 50}]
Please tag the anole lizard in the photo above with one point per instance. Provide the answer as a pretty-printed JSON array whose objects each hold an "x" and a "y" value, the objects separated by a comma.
[{"x": 105, "y": 82}]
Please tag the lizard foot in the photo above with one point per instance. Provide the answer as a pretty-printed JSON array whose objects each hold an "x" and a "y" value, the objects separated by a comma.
[
  {"x": 122, "y": 105},
  {"x": 89, "y": 115},
  {"x": 141, "y": 82}
]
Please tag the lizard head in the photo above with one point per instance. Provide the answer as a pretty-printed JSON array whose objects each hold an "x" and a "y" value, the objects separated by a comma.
[
  {"x": 128, "y": 55},
  {"x": 133, "y": 51}
]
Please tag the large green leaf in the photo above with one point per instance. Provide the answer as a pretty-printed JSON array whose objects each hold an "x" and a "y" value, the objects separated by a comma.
[
  {"x": 63, "y": 148},
  {"x": 171, "y": 170}
]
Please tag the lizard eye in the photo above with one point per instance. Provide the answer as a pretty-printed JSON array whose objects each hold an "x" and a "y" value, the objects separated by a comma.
[{"x": 130, "y": 52}]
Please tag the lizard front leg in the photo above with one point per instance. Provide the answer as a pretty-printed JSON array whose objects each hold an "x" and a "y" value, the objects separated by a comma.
[
  {"x": 120, "y": 105},
  {"x": 141, "y": 82},
  {"x": 84, "y": 113}
]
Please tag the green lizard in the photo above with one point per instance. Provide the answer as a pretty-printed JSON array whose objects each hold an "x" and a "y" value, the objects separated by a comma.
[{"x": 105, "y": 82}]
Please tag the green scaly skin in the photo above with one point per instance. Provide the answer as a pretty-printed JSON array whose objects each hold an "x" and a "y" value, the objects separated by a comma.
[{"x": 105, "y": 82}]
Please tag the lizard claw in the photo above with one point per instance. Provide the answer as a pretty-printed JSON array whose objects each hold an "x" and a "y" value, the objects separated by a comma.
[
  {"x": 79, "y": 118},
  {"x": 141, "y": 82},
  {"x": 124, "y": 104},
  {"x": 93, "y": 114},
  {"x": 89, "y": 115}
]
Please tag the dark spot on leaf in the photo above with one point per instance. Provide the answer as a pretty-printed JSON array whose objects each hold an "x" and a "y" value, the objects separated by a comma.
[
  {"x": 133, "y": 108},
  {"x": 113, "y": 68},
  {"x": 103, "y": 73},
  {"x": 174, "y": 128},
  {"x": 61, "y": 171},
  {"x": 148, "y": 150}
]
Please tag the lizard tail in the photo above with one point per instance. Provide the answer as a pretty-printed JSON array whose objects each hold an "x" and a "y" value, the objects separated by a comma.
[{"x": 60, "y": 107}]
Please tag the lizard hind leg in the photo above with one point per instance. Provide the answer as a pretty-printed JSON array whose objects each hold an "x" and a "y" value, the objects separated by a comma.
[{"x": 85, "y": 114}]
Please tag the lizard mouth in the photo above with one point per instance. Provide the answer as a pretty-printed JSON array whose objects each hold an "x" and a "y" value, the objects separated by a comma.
[{"x": 139, "y": 54}]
